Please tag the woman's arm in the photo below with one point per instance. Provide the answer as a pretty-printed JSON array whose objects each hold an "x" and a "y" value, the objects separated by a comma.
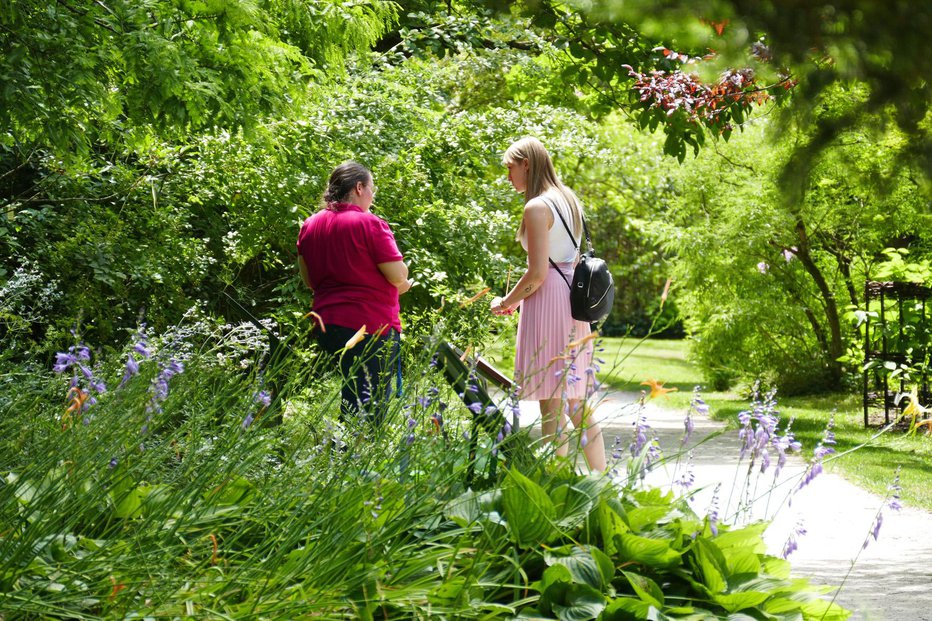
[
  {"x": 302, "y": 267},
  {"x": 538, "y": 218},
  {"x": 396, "y": 272}
]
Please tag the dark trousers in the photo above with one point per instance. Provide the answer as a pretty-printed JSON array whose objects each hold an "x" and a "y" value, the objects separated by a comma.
[{"x": 371, "y": 371}]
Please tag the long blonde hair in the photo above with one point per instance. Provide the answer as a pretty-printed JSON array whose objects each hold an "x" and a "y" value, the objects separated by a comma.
[{"x": 541, "y": 176}]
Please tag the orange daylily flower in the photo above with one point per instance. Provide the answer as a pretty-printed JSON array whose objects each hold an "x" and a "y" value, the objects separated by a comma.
[
  {"x": 319, "y": 320},
  {"x": 77, "y": 398},
  {"x": 475, "y": 297},
  {"x": 356, "y": 338},
  {"x": 214, "y": 557},
  {"x": 657, "y": 388},
  {"x": 583, "y": 340},
  {"x": 117, "y": 587}
]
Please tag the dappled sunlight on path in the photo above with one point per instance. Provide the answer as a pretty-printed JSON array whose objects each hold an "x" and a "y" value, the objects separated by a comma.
[{"x": 892, "y": 579}]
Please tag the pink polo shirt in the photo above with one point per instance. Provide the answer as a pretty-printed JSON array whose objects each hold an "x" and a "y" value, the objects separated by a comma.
[{"x": 342, "y": 247}]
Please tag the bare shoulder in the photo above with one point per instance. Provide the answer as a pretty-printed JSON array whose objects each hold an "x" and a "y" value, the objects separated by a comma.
[
  {"x": 536, "y": 207},
  {"x": 537, "y": 214}
]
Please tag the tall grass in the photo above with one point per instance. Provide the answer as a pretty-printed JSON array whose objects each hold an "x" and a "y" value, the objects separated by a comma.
[{"x": 193, "y": 498}]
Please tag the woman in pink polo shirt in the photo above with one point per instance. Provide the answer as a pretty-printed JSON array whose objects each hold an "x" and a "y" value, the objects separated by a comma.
[{"x": 348, "y": 257}]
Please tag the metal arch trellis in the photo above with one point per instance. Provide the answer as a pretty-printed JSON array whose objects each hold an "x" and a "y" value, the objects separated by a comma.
[{"x": 887, "y": 347}]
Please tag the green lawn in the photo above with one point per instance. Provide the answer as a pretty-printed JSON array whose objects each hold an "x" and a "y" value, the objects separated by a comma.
[{"x": 628, "y": 362}]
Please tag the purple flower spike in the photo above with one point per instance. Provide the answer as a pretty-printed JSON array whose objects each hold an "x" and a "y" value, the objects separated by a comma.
[
  {"x": 792, "y": 542},
  {"x": 264, "y": 398},
  {"x": 689, "y": 425},
  {"x": 63, "y": 361},
  {"x": 713, "y": 511},
  {"x": 247, "y": 421},
  {"x": 113, "y": 463}
]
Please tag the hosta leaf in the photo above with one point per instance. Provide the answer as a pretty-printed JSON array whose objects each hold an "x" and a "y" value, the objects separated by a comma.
[
  {"x": 782, "y": 606},
  {"x": 733, "y": 602},
  {"x": 128, "y": 504},
  {"x": 710, "y": 564},
  {"x": 747, "y": 538},
  {"x": 464, "y": 510},
  {"x": 573, "y": 502},
  {"x": 824, "y": 611},
  {"x": 646, "y": 589},
  {"x": 640, "y": 517},
  {"x": 776, "y": 567},
  {"x": 528, "y": 510},
  {"x": 628, "y": 609},
  {"x": 742, "y": 562},
  {"x": 647, "y": 551},
  {"x": 581, "y": 603},
  {"x": 582, "y": 565}
]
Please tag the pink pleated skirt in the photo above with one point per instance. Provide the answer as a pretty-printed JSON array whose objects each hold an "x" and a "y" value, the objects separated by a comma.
[{"x": 546, "y": 366}]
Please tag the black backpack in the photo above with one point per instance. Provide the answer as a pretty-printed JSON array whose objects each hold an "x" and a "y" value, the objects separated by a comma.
[{"x": 592, "y": 291}]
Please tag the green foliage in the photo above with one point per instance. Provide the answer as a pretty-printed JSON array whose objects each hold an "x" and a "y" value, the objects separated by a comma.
[
  {"x": 75, "y": 73},
  {"x": 822, "y": 46},
  {"x": 764, "y": 283},
  {"x": 211, "y": 504}
]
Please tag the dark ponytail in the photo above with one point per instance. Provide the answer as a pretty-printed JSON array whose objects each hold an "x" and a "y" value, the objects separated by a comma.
[{"x": 343, "y": 180}]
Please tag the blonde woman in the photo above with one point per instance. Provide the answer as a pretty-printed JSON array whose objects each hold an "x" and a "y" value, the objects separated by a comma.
[{"x": 546, "y": 367}]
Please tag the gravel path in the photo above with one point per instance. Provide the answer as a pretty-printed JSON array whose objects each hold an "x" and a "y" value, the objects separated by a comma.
[{"x": 892, "y": 578}]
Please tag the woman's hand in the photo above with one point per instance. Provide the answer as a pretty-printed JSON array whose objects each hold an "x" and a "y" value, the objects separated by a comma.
[{"x": 499, "y": 307}]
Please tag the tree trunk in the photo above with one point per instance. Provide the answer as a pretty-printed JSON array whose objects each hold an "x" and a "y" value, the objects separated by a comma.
[{"x": 835, "y": 348}]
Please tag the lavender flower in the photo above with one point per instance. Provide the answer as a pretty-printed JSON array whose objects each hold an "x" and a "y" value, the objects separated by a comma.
[
  {"x": 792, "y": 542},
  {"x": 141, "y": 349},
  {"x": 616, "y": 448},
  {"x": 892, "y": 502},
  {"x": 264, "y": 398},
  {"x": 712, "y": 516},
  {"x": 688, "y": 428},
  {"x": 641, "y": 445},
  {"x": 248, "y": 421},
  {"x": 688, "y": 478},
  {"x": 64, "y": 361},
  {"x": 159, "y": 386}
]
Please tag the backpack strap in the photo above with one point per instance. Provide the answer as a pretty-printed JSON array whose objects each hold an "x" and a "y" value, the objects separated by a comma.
[{"x": 570, "y": 233}]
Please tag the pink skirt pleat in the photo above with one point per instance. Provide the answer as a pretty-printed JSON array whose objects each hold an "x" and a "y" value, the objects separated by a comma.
[{"x": 544, "y": 366}]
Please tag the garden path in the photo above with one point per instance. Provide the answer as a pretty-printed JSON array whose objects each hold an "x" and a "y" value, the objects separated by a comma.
[{"x": 891, "y": 579}]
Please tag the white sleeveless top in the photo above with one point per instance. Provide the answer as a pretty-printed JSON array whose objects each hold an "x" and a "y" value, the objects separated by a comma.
[{"x": 562, "y": 249}]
